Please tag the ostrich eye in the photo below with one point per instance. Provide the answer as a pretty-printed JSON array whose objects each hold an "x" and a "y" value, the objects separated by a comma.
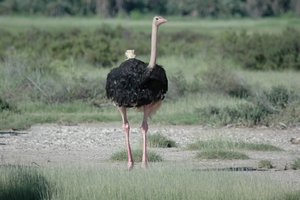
[{"x": 156, "y": 18}]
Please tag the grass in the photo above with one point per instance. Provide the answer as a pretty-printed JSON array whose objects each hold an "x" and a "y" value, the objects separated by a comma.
[
  {"x": 265, "y": 164},
  {"x": 226, "y": 150},
  {"x": 91, "y": 182},
  {"x": 159, "y": 141},
  {"x": 137, "y": 156},
  {"x": 267, "y": 25},
  {"x": 296, "y": 164},
  {"x": 228, "y": 145},
  {"x": 22, "y": 182}
]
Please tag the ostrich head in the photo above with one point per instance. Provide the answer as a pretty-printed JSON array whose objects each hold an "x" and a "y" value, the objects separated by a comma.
[
  {"x": 158, "y": 20},
  {"x": 130, "y": 54}
]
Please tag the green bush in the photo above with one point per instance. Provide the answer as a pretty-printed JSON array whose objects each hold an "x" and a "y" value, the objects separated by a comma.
[
  {"x": 263, "y": 51},
  {"x": 101, "y": 47},
  {"x": 280, "y": 96},
  {"x": 245, "y": 113},
  {"x": 276, "y": 104}
]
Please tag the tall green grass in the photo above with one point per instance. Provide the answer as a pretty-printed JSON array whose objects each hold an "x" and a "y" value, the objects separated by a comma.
[
  {"x": 91, "y": 182},
  {"x": 24, "y": 182}
]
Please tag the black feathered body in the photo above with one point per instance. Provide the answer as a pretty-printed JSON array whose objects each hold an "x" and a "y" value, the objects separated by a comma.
[{"x": 134, "y": 84}]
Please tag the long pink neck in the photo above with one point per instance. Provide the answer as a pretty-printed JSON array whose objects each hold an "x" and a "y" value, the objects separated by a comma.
[{"x": 153, "y": 47}]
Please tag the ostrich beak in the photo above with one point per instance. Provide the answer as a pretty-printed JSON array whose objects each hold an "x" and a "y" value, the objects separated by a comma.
[{"x": 163, "y": 20}]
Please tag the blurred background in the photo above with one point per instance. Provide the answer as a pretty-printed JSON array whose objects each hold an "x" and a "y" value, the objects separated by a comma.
[{"x": 136, "y": 8}]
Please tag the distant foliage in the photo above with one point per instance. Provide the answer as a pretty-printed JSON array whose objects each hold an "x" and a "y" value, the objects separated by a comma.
[
  {"x": 263, "y": 51},
  {"x": 101, "y": 48},
  {"x": 137, "y": 8}
]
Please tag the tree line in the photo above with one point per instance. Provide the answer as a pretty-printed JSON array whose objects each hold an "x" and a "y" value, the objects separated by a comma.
[{"x": 137, "y": 8}]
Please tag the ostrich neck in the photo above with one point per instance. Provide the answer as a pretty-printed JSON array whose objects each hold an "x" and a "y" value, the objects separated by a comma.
[{"x": 153, "y": 46}]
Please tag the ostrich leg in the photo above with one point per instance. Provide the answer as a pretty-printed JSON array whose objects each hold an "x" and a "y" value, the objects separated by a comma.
[
  {"x": 144, "y": 128},
  {"x": 126, "y": 129}
]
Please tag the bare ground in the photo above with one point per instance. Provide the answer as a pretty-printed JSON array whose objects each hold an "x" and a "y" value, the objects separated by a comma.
[{"x": 60, "y": 145}]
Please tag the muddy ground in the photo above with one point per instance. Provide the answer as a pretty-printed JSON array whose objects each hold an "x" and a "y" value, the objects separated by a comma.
[{"x": 59, "y": 145}]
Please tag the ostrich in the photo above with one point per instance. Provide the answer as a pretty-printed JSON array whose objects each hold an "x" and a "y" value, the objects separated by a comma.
[{"x": 140, "y": 85}]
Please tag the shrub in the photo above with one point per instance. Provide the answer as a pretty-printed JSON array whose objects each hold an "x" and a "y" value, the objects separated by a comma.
[
  {"x": 279, "y": 96},
  {"x": 101, "y": 47},
  {"x": 80, "y": 87},
  {"x": 263, "y": 51},
  {"x": 177, "y": 85},
  {"x": 221, "y": 79},
  {"x": 245, "y": 113}
]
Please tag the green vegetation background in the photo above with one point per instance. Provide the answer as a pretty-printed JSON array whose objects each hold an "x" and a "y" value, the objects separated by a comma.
[
  {"x": 242, "y": 71},
  {"x": 137, "y": 8}
]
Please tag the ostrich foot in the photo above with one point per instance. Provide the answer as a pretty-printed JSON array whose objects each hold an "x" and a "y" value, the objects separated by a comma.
[
  {"x": 130, "y": 165},
  {"x": 144, "y": 165}
]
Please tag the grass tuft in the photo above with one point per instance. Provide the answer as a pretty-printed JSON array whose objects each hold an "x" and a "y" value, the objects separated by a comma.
[
  {"x": 265, "y": 164},
  {"x": 160, "y": 141},
  {"x": 296, "y": 164},
  {"x": 222, "y": 155},
  {"x": 228, "y": 145},
  {"x": 137, "y": 156}
]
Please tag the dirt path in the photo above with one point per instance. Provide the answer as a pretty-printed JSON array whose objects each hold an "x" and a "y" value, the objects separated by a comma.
[{"x": 60, "y": 145}]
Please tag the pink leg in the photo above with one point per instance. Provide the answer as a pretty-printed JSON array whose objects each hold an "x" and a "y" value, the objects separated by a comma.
[
  {"x": 126, "y": 128},
  {"x": 144, "y": 128}
]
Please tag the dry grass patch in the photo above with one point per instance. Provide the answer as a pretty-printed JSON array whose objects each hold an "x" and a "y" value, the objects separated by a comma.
[{"x": 222, "y": 155}]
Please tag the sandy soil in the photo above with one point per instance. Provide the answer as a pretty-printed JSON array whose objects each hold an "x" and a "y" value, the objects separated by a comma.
[{"x": 59, "y": 145}]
